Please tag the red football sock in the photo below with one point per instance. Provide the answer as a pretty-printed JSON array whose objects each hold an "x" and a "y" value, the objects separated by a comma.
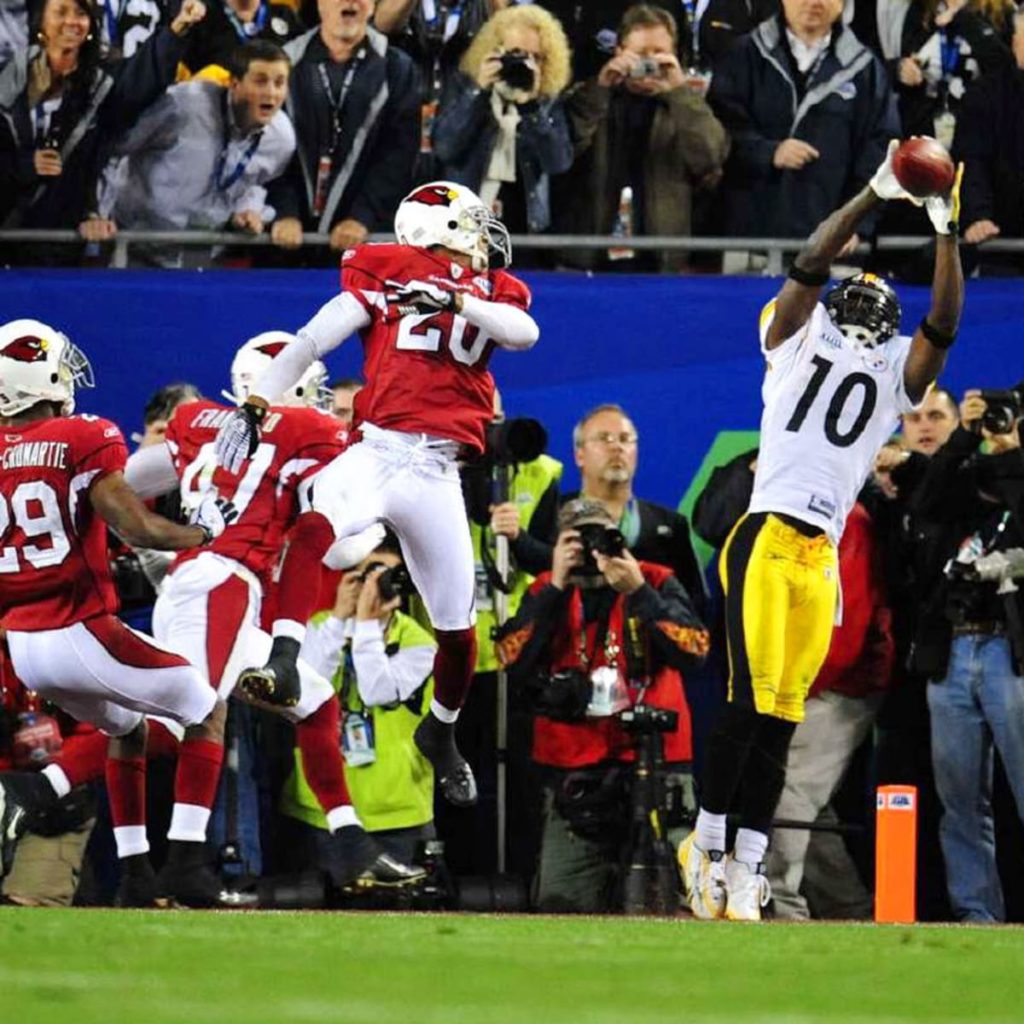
[
  {"x": 83, "y": 758},
  {"x": 453, "y": 666},
  {"x": 301, "y": 570},
  {"x": 195, "y": 781},
  {"x": 161, "y": 742},
  {"x": 126, "y": 788},
  {"x": 317, "y": 739}
]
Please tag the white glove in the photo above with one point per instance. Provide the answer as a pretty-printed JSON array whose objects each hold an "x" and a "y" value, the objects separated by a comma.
[
  {"x": 213, "y": 515},
  {"x": 944, "y": 211},
  {"x": 884, "y": 183},
  {"x": 237, "y": 440},
  {"x": 419, "y": 297}
]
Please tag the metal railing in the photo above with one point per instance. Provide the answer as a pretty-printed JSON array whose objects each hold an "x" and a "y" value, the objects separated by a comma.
[{"x": 775, "y": 248}]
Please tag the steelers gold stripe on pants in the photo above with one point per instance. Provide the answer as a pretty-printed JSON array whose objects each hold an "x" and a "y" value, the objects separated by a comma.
[{"x": 781, "y": 589}]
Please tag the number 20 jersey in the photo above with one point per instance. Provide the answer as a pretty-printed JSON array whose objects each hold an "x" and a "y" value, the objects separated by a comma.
[
  {"x": 294, "y": 443},
  {"x": 54, "y": 567},
  {"x": 425, "y": 373},
  {"x": 828, "y": 410}
]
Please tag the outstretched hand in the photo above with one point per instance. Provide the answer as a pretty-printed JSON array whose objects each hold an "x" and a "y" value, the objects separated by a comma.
[
  {"x": 944, "y": 210},
  {"x": 884, "y": 183}
]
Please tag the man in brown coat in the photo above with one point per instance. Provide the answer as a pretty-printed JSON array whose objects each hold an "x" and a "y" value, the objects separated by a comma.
[{"x": 640, "y": 124}]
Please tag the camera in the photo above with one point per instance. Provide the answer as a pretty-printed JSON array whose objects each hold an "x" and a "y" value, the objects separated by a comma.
[
  {"x": 608, "y": 540},
  {"x": 645, "y": 67},
  {"x": 514, "y": 441},
  {"x": 1002, "y": 409},
  {"x": 516, "y": 72},
  {"x": 562, "y": 696},
  {"x": 394, "y": 581},
  {"x": 996, "y": 567},
  {"x": 647, "y": 720}
]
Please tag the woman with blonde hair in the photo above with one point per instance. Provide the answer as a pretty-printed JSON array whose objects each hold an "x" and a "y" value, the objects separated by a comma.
[{"x": 502, "y": 129}]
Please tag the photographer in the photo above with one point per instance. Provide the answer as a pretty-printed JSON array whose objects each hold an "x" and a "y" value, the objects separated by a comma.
[
  {"x": 598, "y": 634},
  {"x": 379, "y": 660},
  {"x": 637, "y": 124},
  {"x": 501, "y": 129},
  {"x": 970, "y": 636}
]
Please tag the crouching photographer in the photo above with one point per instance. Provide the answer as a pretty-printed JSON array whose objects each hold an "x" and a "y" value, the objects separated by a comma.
[
  {"x": 970, "y": 637},
  {"x": 599, "y": 643}
]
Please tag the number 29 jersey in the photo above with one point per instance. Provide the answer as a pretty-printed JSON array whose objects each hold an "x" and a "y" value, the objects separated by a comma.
[
  {"x": 54, "y": 567},
  {"x": 425, "y": 373},
  {"x": 828, "y": 410}
]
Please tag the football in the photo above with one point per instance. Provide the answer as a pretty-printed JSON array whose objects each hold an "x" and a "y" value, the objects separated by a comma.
[{"x": 923, "y": 167}]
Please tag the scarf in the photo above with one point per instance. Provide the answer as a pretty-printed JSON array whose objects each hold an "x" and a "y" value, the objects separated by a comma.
[{"x": 502, "y": 166}]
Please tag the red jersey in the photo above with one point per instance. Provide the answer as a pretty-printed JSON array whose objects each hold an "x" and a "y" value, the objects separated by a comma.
[
  {"x": 294, "y": 443},
  {"x": 54, "y": 568},
  {"x": 425, "y": 373}
]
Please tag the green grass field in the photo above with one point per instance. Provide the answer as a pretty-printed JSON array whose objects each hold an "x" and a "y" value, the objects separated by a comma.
[{"x": 151, "y": 967}]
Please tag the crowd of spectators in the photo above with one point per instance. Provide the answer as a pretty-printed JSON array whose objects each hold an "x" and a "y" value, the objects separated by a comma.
[{"x": 725, "y": 119}]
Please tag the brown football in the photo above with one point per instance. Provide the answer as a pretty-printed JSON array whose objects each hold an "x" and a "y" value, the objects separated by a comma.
[{"x": 923, "y": 167}]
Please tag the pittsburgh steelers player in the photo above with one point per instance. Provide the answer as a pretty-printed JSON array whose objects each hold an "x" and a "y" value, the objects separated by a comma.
[{"x": 838, "y": 376}]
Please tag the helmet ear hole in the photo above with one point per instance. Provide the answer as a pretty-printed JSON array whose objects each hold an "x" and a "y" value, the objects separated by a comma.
[
  {"x": 453, "y": 224},
  {"x": 54, "y": 378}
]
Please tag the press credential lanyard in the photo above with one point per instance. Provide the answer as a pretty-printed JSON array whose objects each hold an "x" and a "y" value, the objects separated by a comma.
[{"x": 337, "y": 103}]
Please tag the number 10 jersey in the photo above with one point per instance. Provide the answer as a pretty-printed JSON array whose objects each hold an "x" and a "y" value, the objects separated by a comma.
[
  {"x": 828, "y": 409},
  {"x": 425, "y": 373}
]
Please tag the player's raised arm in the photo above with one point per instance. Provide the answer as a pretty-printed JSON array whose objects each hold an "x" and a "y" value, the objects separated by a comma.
[
  {"x": 810, "y": 269},
  {"x": 937, "y": 330}
]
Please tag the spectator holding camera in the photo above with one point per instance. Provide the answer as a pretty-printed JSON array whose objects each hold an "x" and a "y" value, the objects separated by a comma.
[
  {"x": 202, "y": 156},
  {"x": 637, "y": 125},
  {"x": 60, "y": 103},
  {"x": 501, "y": 129},
  {"x": 380, "y": 661},
  {"x": 598, "y": 634},
  {"x": 974, "y": 488},
  {"x": 810, "y": 112}
]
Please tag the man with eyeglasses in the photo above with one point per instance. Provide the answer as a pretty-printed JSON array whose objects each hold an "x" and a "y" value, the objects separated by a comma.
[{"x": 606, "y": 447}]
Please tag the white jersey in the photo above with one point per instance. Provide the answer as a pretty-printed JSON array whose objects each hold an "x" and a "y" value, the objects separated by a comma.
[{"x": 828, "y": 409}]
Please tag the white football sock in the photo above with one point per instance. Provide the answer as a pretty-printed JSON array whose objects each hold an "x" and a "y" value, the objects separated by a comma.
[
  {"x": 710, "y": 831},
  {"x": 751, "y": 846}
]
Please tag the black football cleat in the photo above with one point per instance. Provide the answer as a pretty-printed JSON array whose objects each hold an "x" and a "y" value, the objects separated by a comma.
[
  {"x": 137, "y": 887},
  {"x": 362, "y": 864},
  {"x": 24, "y": 797},
  {"x": 188, "y": 880},
  {"x": 277, "y": 682},
  {"x": 436, "y": 742}
]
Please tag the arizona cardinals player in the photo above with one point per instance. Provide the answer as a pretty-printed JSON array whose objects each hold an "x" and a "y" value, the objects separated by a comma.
[
  {"x": 62, "y": 484},
  {"x": 430, "y": 311},
  {"x": 209, "y": 607}
]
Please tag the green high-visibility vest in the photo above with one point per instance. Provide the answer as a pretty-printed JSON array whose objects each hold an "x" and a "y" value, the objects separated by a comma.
[
  {"x": 529, "y": 482},
  {"x": 397, "y": 789}
]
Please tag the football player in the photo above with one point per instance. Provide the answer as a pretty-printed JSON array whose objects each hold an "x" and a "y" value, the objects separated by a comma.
[
  {"x": 209, "y": 607},
  {"x": 62, "y": 483},
  {"x": 838, "y": 377},
  {"x": 430, "y": 311}
]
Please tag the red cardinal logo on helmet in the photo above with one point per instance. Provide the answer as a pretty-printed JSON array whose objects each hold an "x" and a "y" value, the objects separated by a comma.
[
  {"x": 433, "y": 195},
  {"x": 271, "y": 348},
  {"x": 27, "y": 349}
]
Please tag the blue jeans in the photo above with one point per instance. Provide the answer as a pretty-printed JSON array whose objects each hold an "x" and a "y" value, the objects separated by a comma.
[{"x": 981, "y": 700}]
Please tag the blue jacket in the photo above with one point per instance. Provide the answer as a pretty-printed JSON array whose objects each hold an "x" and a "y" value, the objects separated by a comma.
[
  {"x": 465, "y": 133},
  {"x": 847, "y": 112}
]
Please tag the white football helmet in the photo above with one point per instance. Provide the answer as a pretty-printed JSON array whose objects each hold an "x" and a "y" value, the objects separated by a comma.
[
  {"x": 446, "y": 213},
  {"x": 254, "y": 357},
  {"x": 39, "y": 364}
]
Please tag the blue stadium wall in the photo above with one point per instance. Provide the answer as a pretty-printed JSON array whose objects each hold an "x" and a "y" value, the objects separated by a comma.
[{"x": 680, "y": 354}]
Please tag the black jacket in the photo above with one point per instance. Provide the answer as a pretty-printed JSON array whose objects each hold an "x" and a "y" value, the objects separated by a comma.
[
  {"x": 118, "y": 92},
  {"x": 214, "y": 39},
  {"x": 372, "y": 163},
  {"x": 990, "y": 141},
  {"x": 726, "y": 496},
  {"x": 845, "y": 109}
]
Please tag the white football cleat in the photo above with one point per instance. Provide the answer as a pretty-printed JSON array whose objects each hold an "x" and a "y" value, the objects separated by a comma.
[
  {"x": 748, "y": 890},
  {"x": 704, "y": 883}
]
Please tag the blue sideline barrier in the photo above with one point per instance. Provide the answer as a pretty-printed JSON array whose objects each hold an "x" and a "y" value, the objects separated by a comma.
[{"x": 680, "y": 353}]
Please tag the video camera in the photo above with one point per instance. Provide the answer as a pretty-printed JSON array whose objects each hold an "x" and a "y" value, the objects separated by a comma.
[
  {"x": 1003, "y": 409},
  {"x": 647, "y": 720}
]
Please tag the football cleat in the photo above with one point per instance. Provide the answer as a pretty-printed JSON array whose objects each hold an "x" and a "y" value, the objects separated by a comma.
[
  {"x": 362, "y": 864},
  {"x": 24, "y": 798},
  {"x": 187, "y": 880},
  {"x": 704, "y": 886},
  {"x": 436, "y": 742},
  {"x": 748, "y": 890},
  {"x": 137, "y": 887},
  {"x": 276, "y": 683}
]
